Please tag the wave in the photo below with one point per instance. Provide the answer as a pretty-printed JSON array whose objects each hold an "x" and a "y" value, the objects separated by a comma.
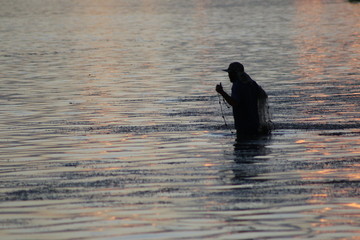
[{"x": 114, "y": 129}]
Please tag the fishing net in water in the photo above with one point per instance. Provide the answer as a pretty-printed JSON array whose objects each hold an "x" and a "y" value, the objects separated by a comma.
[{"x": 264, "y": 116}]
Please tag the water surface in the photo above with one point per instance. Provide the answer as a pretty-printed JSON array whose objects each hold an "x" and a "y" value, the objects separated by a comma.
[{"x": 111, "y": 128}]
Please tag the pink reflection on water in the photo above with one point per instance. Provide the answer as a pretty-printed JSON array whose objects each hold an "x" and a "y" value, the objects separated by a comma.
[{"x": 327, "y": 63}]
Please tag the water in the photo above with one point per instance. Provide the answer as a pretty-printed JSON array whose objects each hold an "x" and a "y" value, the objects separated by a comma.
[{"x": 111, "y": 129}]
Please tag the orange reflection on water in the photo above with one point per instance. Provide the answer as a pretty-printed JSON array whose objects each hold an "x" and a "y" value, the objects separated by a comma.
[
  {"x": 328, "y": 56},
  {"x": 353, "y": 205},
  {"x": 350, "y": 173},
  {"x": 310, "y": 50},
  {"x": 209, "y": 164}
]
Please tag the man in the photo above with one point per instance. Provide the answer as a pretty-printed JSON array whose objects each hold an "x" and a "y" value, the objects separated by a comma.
[{"x": 248, "y": 100}]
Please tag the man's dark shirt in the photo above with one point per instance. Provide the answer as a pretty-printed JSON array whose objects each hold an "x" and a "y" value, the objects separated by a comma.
[{"x": 246, "y": 92}]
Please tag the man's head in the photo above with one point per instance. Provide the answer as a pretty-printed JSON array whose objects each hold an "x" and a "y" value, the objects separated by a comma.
[
  {"x": 235, "y": 67},
  {"x": 234, "y": 70}
]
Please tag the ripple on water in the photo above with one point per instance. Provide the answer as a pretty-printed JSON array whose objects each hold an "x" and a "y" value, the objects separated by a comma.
[{"x": 111, "y": 129}]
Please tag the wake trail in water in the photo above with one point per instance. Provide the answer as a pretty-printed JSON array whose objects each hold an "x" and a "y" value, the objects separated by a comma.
[{"x": 94, "y": 128}]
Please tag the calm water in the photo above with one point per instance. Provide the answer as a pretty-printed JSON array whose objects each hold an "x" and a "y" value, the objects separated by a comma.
[{"x": 110, "y": 127}]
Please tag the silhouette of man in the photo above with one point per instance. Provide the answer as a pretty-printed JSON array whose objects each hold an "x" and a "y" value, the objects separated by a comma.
[{"x": 248, "y": 101}]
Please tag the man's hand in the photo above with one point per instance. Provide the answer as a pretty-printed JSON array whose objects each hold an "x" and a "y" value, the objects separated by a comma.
[
  {"x": 226, "y": 96},
  {"x": 219, "y": 88}
]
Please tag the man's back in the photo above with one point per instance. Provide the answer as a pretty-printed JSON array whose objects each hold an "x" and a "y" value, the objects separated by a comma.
[{"x": 246, "y": 115}]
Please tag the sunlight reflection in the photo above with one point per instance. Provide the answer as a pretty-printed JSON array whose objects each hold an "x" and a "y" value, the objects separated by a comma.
[
  {"x": 352, "y": 205},
  {"x": 209, "y": 164},
  {"x": 326, "y": 64},
  {"x": 346, "y": 141}
]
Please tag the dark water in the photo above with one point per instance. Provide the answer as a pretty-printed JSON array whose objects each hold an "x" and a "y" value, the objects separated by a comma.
[{"x": 110, "y": 127}]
